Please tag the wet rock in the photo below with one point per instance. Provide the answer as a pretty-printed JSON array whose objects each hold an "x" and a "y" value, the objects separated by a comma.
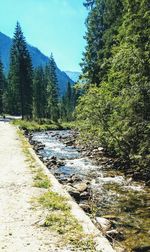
[
  {"x": 40, "y": 157},
  {"x": 88, "y": 153},
  {"x": 137, "y": 175},
  {"x": 60, "y": 163},
  {"x": 70, "y": 143},
  {"x": 38, "y": 147},
  {"x": 103, "y": 223},
  {"x": 147, "y": 183},
  {"x": 142, "y": 249},
  {"x": 57, "y": 174},
  {"x": 74, "y": 178},
  {"x": 100, "y": 149},
  {"x": 85, "y": 207},
  {"x": 111, "y": 217},
  {"x": 115, "y": 234},
  {"x": 62, "y": 180},
  {"x": 84, "y": 195},
  {"x": 81, "y": 187},
  {"x": 52, "y": 162},
  {"x": 55, "y": 135},
  {"x": 119, "y": 249},
  {"x": 72, "y": 191},
  {"x": 45, "y": 159}
]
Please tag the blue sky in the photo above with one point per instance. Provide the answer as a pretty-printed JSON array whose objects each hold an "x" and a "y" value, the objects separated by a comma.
[{"x": 51, "y": 25}]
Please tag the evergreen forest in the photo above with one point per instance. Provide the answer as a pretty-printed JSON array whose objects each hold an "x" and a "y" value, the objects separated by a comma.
[{"x": 33, "y": 93}]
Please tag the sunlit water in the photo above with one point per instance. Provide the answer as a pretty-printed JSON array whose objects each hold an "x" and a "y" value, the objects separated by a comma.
[{"x": 126, "y": 203}]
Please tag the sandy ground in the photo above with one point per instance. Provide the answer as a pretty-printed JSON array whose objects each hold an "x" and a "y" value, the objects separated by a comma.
[{"x": 18, "y": 229}]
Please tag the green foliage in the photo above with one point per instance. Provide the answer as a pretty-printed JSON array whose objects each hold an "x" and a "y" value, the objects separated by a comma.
[
  {"x": 20, "y": 77},
  {"x": 67, "y": 104},
  {"x": 39, "y": 93},
  {"x": 102, "y": 28},
  {"x": 117, "y": 113},
  {"x": 52, "y": 90}
]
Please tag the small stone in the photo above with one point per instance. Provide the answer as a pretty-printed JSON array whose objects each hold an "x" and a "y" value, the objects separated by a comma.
[
  {"x": 85, "y": 207},
  {"x": 104, "y": 223},
  {"x": 100, "y": 148},
  {"x": 85, "y": 195},
  {"x": 81, "y": 187},
  {"x": 115, "y": 234},
  {"x": 119, "y": 249}
]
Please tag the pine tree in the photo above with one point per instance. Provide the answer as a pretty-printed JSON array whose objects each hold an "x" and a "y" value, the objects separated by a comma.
[
  {"x": 89, "y": 3},
  {"x": 52, "y": 90},
  {"x": 20, "y": 76},
  {"x": 1, "y": 87},
  {"x": 62, "y": 109},
  {"x": 69, "y": 102},
  {"x": 102, "y": 27},
  {"x": 39, "y": 93}
]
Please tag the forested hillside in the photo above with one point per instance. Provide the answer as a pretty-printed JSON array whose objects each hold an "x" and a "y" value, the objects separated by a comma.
[
  {"x": 33, "y": 92},
  {"x": 115, "y": 110},
  {"x": 38, "y": 59}
]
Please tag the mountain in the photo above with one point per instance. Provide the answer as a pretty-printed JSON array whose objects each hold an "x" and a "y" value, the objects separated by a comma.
[
  {"x": 38, "y": 59},
  {"x": 73, "y": 75}
]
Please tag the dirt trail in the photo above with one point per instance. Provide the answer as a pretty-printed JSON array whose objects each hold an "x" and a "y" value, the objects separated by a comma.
[{"x": 18, "y": 229}]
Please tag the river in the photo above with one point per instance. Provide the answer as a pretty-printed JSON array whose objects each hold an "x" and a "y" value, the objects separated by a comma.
[{"x": 122, "y": 201}]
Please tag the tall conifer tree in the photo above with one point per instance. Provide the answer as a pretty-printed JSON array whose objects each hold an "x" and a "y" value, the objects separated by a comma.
[
  {"x": 39, "y": 93},
  {"x": 1, "y": 87},
  {"x": 102, "y": 27},
  {"x": 20, "y": 76},
  {"x": 52, "y": 90}
]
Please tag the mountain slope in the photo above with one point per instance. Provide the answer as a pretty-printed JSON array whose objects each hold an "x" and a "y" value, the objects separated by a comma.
[
  {"x": 73, "y": 75},
  {"x": 38, "y": 59}
]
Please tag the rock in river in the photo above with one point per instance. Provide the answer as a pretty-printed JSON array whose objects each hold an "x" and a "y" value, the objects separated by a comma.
[
  {"x": 73, "y": 192},
  {"x": 81, "y": 187},
  {"x": 85, "y": 207},
  {"x": 103, "y": 223}
]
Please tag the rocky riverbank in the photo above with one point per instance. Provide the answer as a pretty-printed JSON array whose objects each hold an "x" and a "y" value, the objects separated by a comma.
[
  {"x": 99, "y": 190},
  {"x": 101, "y": 157}
]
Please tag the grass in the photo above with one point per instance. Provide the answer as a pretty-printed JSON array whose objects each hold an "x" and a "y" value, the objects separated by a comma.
[
  {"x": 63, "y": 222},
  {"x": 36, "y": 125},
  {"x": 59, "y": 217},
  {"x": 53, "y": 201},
  {"x": 43, "y": 125},
  {"x": 41, "y": 180}
]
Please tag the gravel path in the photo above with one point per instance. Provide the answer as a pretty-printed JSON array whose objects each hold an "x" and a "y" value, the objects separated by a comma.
[{"x": 18, "y": 229}]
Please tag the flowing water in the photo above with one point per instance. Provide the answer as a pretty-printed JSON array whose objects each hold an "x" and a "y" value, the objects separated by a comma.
[{"x": 124, "y": 202}]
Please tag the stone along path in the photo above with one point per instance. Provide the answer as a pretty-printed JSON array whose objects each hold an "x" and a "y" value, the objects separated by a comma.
[{"x": 18, "y": 229}]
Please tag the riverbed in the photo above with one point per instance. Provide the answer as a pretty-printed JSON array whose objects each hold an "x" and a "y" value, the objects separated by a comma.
[{"x": 125, "y": 203}]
